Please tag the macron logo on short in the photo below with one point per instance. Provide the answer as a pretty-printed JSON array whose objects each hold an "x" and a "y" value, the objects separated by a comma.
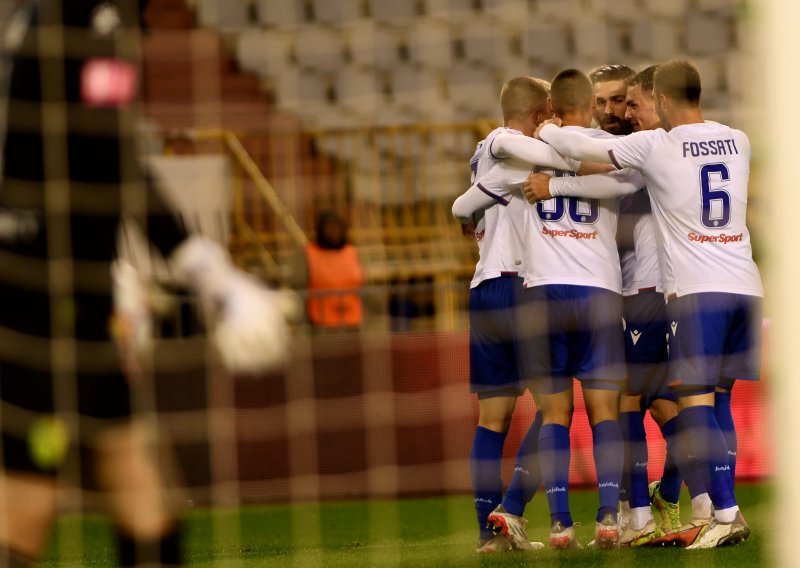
[
  {"x": 674, "y": 326},
  {"x": 635, "y": 335}
]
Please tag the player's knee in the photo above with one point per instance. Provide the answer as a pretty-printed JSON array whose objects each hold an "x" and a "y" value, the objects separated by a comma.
[
  {"x": 558, "y": 411},
  {"x": 663, "y": 411},
  {"x": 630, "y": 403},
  {"x": 495, "y": 413},
  {"x": 495, "y": 424}
]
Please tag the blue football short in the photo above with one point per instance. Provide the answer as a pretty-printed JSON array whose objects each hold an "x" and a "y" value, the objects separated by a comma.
[
  {"x": 493, "y": 358},
  {"x": 646, "y": 353},
  {"x": 714, "y": 336},
  {"x": 572, "y": 331}
]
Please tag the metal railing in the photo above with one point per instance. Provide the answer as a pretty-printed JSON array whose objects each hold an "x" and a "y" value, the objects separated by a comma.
[{"x": 395, "y": 186}]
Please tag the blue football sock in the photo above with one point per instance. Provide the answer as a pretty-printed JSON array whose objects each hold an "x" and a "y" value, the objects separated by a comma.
[
  {"x": 708, "y": 445},
  {"x": 485, "y": 461},
  {"x": 608, "y": 455},
  {"x": 671, "y": 478},
  {"x": 635, "y": 468},
  {"x": 722, "y": 410},
  {"x": 527, "y": 474},
  {"x": 554, "y": 456}
]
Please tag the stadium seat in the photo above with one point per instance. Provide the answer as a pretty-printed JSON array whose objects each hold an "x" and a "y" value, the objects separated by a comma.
[
  {"x": 674, "y": 8},
  {"x": 719, "y": 6},
  {"x": 372, "y": 45},
  {"x": 392, "y": 12},
  {"x": 265, "y": 52},
  {"x": 516, "y": 67},
  {"x": 444, "y": 178},
  {"x": 549, "y": 44},
  {"x": 318, "y": 48},
  {"x": 336, "y": 11},
  {"x": 707, "y": 35},
  {"x": 593, "y": 40},
  {"x": 430, "y": 43},
  {"x": 358, "y": 89},
  {"x": 558, "y": 10},
  {"x": 712, "y": 72},
  {"x": 473, "y": 89},
  {"x": 415, "y": 87},
  {"x": 303, "y": 91},
  {"x": 485, "y": 43},
  {"x": 279, "y": 13},
  {"x": 451, "y": 11},
  {"x": 737, "y": 68},
  {"x": 656, "y": 40},
  {"x": 223, "y": 14},
  {"x": 511, "y": 13}
]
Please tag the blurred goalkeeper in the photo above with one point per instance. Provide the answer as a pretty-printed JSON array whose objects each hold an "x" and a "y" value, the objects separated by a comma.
[{"x": 70, "y": 175}]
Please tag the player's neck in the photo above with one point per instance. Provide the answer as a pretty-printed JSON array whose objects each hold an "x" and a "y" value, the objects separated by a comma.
[
  {"x": 583, "y": 119},
  {"x": 521, "y": 126},
  {"x": 681, "y": 116}
]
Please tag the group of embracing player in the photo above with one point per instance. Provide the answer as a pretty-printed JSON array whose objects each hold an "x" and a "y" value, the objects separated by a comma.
[{"x": 618, "y": 256}]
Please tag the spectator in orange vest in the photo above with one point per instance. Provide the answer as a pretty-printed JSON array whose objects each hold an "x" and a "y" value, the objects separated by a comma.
[{"x": 333, "y": 275}]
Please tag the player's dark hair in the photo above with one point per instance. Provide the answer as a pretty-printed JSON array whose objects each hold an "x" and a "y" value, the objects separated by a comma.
[
  {"x": 645, "y": 79},
  {"x": 611, "y": 73},
  {"x": 521, "y": 96},
  {"x": 571, "y": 90},
  {"x": 679, "y": 80}
]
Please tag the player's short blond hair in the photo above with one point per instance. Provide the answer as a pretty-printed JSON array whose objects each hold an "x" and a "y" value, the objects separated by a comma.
[
  {"x": 571, "y": 90},
  {"x": 679, "y": 80},
  {"x": 520, "y": 97}
]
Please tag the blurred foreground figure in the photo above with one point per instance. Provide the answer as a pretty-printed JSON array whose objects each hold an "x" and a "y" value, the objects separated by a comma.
[{"x": 70, "y": 176}]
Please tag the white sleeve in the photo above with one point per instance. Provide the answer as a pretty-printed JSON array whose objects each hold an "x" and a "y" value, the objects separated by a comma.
[
  {"x": 633, "y": 150},
  {"x": 576, "y": 145},
  {"x": 477, "y": 197},
  {"x": 598, "y": 186},
  {"x": 532, "y": 151}
]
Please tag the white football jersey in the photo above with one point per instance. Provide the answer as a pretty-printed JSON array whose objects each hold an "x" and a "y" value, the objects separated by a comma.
[
  {"x": 571, "y": 240},
  {"x": 636, "y": 234},
  {"x": 697, "y": 176},
  {"x": 500, "y": 228}
]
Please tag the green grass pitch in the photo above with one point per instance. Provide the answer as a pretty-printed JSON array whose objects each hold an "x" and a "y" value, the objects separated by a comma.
[{"x": 419, "y": 532}]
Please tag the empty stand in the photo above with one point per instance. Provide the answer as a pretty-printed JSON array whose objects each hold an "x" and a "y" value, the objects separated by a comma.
[
  {"x": 372, "y": 45},
  {"x": 474, "y": 88},
  {"x": 224, "y": 14},
  {"x": 336, "y": 11},
  {"x": 265, "y": 52},
  {"x": 430, "y": 43},
  {"x": 280, "y": 13},
  {"x": 318, "y": 48},
  {"x": 392, "y": 12},
  {"x": 548, "y": 44},
  {"x": 486, "y": 43},
  {"x": 708, "y": 35}
]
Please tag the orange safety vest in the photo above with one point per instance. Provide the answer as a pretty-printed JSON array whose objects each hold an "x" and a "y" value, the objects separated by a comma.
[{"x": 333, "y": 275}]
